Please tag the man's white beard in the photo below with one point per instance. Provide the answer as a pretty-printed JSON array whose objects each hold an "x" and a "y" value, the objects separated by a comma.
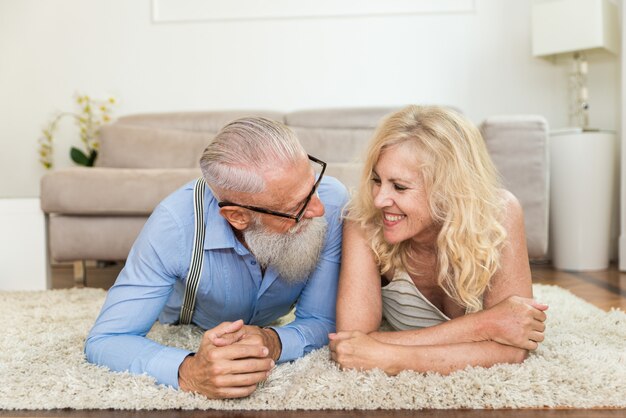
[{"x": 294, "y": 254}]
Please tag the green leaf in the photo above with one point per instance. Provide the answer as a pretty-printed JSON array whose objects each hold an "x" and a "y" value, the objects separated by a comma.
[
  {"x": 92, "y": 157},
  {"x": 79, "y": 157}
]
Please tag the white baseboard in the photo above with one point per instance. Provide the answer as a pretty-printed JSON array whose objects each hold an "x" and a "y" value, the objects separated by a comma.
[{"x": 22, "y": 245}]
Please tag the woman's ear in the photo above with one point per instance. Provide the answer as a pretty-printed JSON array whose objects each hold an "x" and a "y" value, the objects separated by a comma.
[{"x": 237, "y": 217}]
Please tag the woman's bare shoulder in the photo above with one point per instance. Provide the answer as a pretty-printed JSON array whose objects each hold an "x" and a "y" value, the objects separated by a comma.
[{"x": 512, "y": 208}]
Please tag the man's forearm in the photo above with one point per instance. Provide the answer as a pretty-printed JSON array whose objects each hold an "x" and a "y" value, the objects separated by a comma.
[
  {"x": 138, "y": 355},
  {"x": 303, "y": 336}
]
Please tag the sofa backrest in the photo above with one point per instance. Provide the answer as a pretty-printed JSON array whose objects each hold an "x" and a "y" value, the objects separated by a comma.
[
  {"x": 164, "y": 140},
  {"x": 518, "y": 146},
  {"x": 338, "y": 136},
  {"x": 176, "y": 140}
]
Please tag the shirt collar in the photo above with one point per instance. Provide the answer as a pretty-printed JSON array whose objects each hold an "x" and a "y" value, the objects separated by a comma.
[{"x": 218, "y": 232}]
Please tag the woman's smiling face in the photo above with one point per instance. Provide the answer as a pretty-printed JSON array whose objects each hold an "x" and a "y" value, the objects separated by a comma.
[{"x": 399, "y": 192}]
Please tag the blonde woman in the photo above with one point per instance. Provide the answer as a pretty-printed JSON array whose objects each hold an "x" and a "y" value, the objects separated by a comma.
[{"x": 431, "y": 220}]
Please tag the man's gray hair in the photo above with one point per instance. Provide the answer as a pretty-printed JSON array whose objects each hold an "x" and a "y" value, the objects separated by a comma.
[{"x": 243, "y": 149}]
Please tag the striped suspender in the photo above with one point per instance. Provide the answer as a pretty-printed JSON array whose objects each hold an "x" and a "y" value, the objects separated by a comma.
[{"x": 197, "y": 254}]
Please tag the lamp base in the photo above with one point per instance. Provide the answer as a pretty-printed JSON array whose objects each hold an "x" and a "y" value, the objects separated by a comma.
[{"x": 578, "y": 93}]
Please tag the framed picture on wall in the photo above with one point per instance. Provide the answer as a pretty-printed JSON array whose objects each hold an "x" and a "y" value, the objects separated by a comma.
[{"x": 164, "y": 11}]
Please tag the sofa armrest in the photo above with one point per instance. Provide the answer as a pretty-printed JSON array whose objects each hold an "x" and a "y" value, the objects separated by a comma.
[
  {"x": 518, "y": 146},
  {"x": 110, "y": 191}
]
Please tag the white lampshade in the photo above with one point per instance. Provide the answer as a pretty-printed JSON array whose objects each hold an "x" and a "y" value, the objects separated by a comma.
[{"x": 561, "y": 26}]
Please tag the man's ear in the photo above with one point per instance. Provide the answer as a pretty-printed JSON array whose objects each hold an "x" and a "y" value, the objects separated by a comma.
[{"x": 237, "y": 217}]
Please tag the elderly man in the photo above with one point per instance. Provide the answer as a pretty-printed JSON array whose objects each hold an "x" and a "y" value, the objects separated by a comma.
[{"x": 231, "y": 258}]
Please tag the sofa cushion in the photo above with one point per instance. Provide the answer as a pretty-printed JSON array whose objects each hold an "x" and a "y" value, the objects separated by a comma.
[
  {"x": 128, "y": 146},
  {"x": 338, "y": 118},
  {"x": 110, "y": 191},
  {"x": 348, "y": 173},
  {"x": 165, "y": 140},
  {"x": 335, "y": 145}
]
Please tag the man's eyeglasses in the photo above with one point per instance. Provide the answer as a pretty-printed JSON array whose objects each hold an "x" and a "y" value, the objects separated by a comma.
[{"x": 306, "y": 201}]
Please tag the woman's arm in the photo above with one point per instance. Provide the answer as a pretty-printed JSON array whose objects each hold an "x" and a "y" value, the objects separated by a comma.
[
  {"x": 510, "y": 316},
  {"x": 510, "y": 322},
  {"x": 513, "y": 323},
  {"x": 359, "y": 300},
  {"x": 356, "y": 350},
  {"x": 514, "y": 278}
]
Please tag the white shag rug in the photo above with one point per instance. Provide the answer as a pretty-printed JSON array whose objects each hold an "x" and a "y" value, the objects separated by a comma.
[{"x": 581, "y": 364}]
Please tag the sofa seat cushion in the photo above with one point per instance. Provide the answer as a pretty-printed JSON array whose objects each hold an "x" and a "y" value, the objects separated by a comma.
[{"x": 110, "y": 191}]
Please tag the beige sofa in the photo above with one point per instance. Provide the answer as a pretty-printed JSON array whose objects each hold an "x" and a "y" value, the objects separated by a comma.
[{"x": 96, "y": 213}]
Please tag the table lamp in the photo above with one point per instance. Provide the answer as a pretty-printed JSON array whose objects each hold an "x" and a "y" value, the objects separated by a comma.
[{"x": 574, "y": 27}]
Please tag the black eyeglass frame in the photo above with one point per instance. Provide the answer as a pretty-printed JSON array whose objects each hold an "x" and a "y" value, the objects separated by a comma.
[{"x": 296, "y": 217}]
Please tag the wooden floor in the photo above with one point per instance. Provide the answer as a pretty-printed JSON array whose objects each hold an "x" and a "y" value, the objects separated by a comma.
[
  {"x": 438, "y": 413},
  {"x": 605, "y": 289}
]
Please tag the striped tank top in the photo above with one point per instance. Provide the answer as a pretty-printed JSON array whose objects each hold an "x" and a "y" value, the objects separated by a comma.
[{"x": 404, "y": 306}]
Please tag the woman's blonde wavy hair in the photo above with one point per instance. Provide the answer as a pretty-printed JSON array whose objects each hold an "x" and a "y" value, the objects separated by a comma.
[{"x": 462, "y": 185}]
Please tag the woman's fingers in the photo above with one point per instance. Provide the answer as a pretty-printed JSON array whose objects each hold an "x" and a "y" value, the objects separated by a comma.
[
  {"x": 536, "y": 336},
  {"x": 539, "y": 326},
  {"x": 343, "y": 335},
  {"x": 538, "y": 305},
  {"x": 539, "y": 315}
]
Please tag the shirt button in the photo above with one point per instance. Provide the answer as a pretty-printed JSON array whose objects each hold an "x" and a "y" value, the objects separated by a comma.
[{"x": 253, "y": 262}]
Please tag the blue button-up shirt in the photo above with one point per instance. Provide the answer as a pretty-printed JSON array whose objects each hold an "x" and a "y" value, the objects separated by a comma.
[{"x": 232, "y": 286}]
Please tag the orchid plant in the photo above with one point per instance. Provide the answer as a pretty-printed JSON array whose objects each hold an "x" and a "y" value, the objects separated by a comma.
[{"x": 91, "y": 115}]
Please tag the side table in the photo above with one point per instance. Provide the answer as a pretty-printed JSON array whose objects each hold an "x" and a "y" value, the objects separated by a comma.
[{"x": 582, "y": 176}]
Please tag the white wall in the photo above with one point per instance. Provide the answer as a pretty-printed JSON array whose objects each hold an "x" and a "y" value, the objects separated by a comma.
[
  {"x": 478, "y": 61},
  {"x": 22, "y": 245}
]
